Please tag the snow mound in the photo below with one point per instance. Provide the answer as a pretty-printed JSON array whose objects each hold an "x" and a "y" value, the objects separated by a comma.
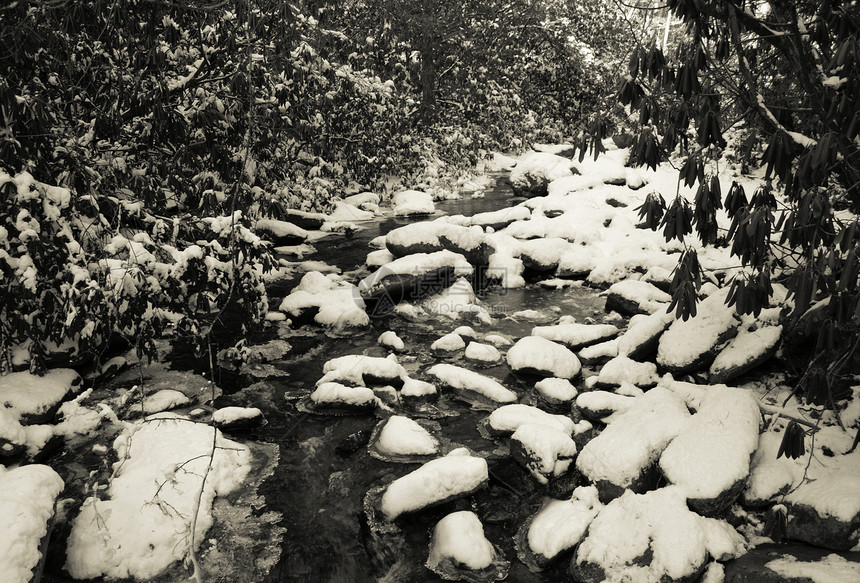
[
  {"x": 658, "y": 526},
  {"x": 545, "y": 451},
  {"x": 412, "y": 202},
  {"x": 622, "y": 369},
  {"x": 27, "y": 496},
  {"x": 711, "y": 456},
  {"x": 623, "y": 453},
  {"x": 359, "y": 369},
  {"x": 534, "y": 353},
  {"x": 466, "y": 380},
  {"x": 439, "y": 480},
  {"x": 687, "y": 345},
  {"x": 391, "y": 340},
  {"x": 561, "y": 524},
  {"x": 403, "y": 436},
  {"x": 450, "y": 342},
  {"x": 142, "y": 523},
  {"x": 576, "y": 336},
  {"x": 508, "y": 418},
  {"x": 556, "y": 390},
  {"x": 25, "y": 394},
  {"x": 459, "y": 537},
  {"x": 337, "y": 302},
  {"x": 483, "y": 353}
]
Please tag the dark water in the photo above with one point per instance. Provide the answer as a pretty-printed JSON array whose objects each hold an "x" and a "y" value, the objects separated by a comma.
[{"x": 325, "y": 469}]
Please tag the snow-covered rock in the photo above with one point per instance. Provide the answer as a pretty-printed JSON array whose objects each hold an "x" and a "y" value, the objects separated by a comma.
[
  {"x": 335, "y": 397},
  {"x": 34, "y": 399},
  {"x": 237, "y": 417},
  {"x": 601, "y": 405},
  {"x": 534, "y": 354},
  {"x": 450, "y": 342},
  {"x": 459, "y": 550},
  {"x": 624, "y": 455},
  {"x": 27, "y": 497},
  {"x": 457, "y": 301},
  {"x": 652, "y": 537},
  {"x": 141, "y": 524},
  {"x": 438, "y": 235},
  {"x": 483, "y": 353},
  {"x": 642, "y": 336},
  {"x": 455, "y": 475},
  {"x": 744, "y": 352},
  {"x": 390, "y": 339},
  {"x": 545, "y": 451},
  {"x": 471, "y": 385},
  {"x": 409, "y": 203},
  {"x": 622, "y": 369},
  {"x": 542, "y": 254},
  {"x": 710, "y": 458},
  {"x": 333, "y": 302},
  {"x": 556, "y": 392},
  {"x": 533, "y": 173},
  {"x": 599, "y": 352},
  {"x": 633, "y": 296},
  {"x": 507, "y": 419},
  {"x": 693, "y": 344},
  {"x": 281, "y": 232},
  {"x": 413, "y": 276},
  {"x": 558, "y": 526},
  {"x": 576, "y": 336},
  {"x": 401, "y": 436}
]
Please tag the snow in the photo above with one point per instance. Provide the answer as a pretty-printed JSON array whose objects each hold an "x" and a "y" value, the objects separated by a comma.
[
  {"x": 28, "y": 394},
  {"x": 379, "y": 258},
  {"x": 403, "y": 436},
  {"x": 281, "y": 229},
  {"x": 646, "y": 295},
  {"x": 459, "y": 537},
  {"x": 501, "y": 216},
  {"x": 417, "y": 264},
  {"x": 561, "y": 524},
  {"x": 227, "y": 415},
  {"x": 509, "y": 418},
  {"x": 680, "y": 541},
  {"x": 457, "y": 300},
  {"x": 450, "y": 342},
  {"x": 412, "y": 202},
  {"x": 535, "y": 352},
  {"x": 27, "y": 496},
  {"x": 550, "y": 449},
  {"x": 336, "y": 393},
  {"x": 607, "y": 349},
  {"x": 415, "y": 388},
  {"x": 831, "y": 569},
  {"x": 484, "y": 353},
  {"x": 345, "y": 212},
  {"x": 10, "y": 428},
  {"x": 438, "y": 480},
  {"x": 141, "y": 523},
  {"x": 576, "y": 335},
  {"x": 745, "y": 346},
  {"x": 713, "y": 452},
  {"x": 539, "y": 165},
  {"x": 497, "y": 340},
  {"x": 686, "y": 342},
  {"x": 390, "y": 339},
  {"x": 352, "y": 368},
  {"x": 622, "y": 369},
  {"x": 438, "y": 234},
  {"x": 634, "y": 439},
  {"x": 595, "y": 401},
  {"x": 642, "y": 329},
  {"x": 556, "y": 389},
  {"x": 461, "y": 378},
  {"x": 338, "y": 302},
  {"x": 163, "y": 400}
]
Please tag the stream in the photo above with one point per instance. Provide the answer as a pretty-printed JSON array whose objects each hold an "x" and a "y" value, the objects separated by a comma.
[{"x": 325, "y": 468}]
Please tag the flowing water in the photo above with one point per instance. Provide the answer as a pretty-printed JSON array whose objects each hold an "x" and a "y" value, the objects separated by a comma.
[{"x": 325, "y": 468}]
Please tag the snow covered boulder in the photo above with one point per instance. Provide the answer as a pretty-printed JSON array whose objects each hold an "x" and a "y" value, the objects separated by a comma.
[
  {"x": 230, "y": 418},
  {"x": 625, "y": 370},
  {"x": 328, "y": 300},
  {"x": 459, "y": 550},
  {"x": 558, "y": 526},
  {"x": 710, "y": 458},
  {"x": 412, "y": 276},
  {"x": 448, "y": 343},
  {"x": 542, "y": 254},
  {"x": 471, "y": 386},
  {"x": 507, "y": 419},
  {"x": 401, "y": 439},
  {"x": 600, "y": 352},
  {"x": 27, "y": 498},
  {"x": 457, "y": 301},
  {"x": 484, "y": 354},
  {"x": 555, "y": 392},
  {"x": 601, "y": 405},
  {"x": 363, "y": 370},
  {"x": 281, "y": 232},
  {"x": 832, "y": 522},
  {"x": 35, "y": 399},
  {"x": 309, "y": 221},
  {"x": 745, "y": 352},
  {"x": 576, "y": 336},
  {"x": 337, "y": 399},
  {"x": 545, "y": 451},
  {"x": 652, "y": 537},
  {"x": 625, "y": 454},
  {"x": 533, "y": 173},
  {"x": 642, "y": 336},
  {"x": 692, "y": 345},
  {"x": 630, "y": 297},
  {"x": 456, "y": 475},
  {"x": 141, "y": 524},
  {"x": 537, "y": 355},
  {"x": 497, "y": 220},
  {"x": 410, "y": 203},
  {"x": 391, "y": 340}
]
